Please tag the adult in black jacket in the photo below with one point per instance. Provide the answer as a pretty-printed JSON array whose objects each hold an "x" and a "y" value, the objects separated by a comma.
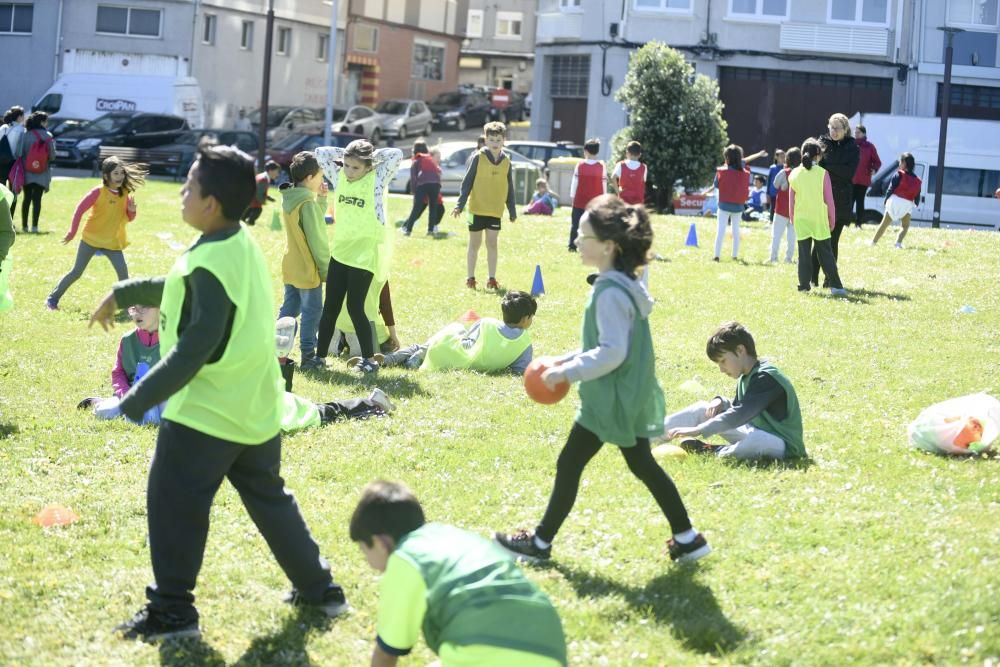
[{"x": 840, "y": 159}]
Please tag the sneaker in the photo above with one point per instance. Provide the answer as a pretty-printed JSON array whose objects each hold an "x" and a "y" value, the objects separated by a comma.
[
  {"x": 697, "y": 446},
  {"x": 34, "y": 230},
  {"x": 366, "y": 367},
  {"x": 838, "y": 291},
  {"x": 404, "y": 231},
  {"x": 333, "y": 603},
  {"x": 492, "y": 284},
  {"x": 715, "y": 259},
  {"x": 571, "y": 248},
  {"x": 432, "y": 231},
  {"x": 898, "y": 245},
  {"x": 310, "y": 362},
  {"x": 153, "y": 626},
  {"x": 354, "y": 362},
  {"x": 379, "y": 398},
  {"x": 51, "y": 304},
  {"x": 88, "y": 403},
  {"x": 690, "y": 552},
  {"x": 470, "y": 283},
  {"x": 522, "y": 545}
]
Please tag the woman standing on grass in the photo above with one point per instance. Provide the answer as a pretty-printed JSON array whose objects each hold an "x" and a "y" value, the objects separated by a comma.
[
  {"x": 38, "y": 150},
  {"x": 840, "y": 160}
]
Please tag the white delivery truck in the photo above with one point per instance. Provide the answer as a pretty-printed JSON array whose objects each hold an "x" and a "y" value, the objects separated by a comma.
[
  {"x": 971, "y": 167},
  {"x": 94, "y": 83}
]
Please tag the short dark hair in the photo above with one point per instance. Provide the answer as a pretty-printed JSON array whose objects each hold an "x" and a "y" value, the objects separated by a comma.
[
  {"x": 36, "y": 120},
  {"x": 627, "y": 226},
  {"x": 864, "y": 130},
  {"x": 634, "y": 148},
  {"x": 272, "y": 165},
  {"x": 793, "y": 157},
  {"x": 733, "y": 155},
  {"x": 385, "y": 508},
  {"x": 727, "y": 338},
  {"x": 420, "y": 146},
  {"x": 516, "y": 306},
  {"x": 227, "y": 173},
  {"x": 13, "y": 114},
  {"x": 592, "y": 145},
  {"x": 304, "y": 165},
  {"x": 759, "y": 177},
  {"x": 906, "y": 161}
]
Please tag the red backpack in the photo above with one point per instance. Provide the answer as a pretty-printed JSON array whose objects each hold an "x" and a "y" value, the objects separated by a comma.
[{"x": 37, "y": 159}]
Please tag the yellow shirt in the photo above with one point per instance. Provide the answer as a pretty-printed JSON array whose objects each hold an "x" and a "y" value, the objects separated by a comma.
[{"x": 105, "y": 226}]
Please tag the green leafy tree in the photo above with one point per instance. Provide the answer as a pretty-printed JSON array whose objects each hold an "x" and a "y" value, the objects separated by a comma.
[{"x": 677, "y": 117}]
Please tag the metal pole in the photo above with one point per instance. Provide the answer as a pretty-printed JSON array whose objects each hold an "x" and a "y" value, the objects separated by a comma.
[
  {"x": 943, "y": 135},
  {"x": 331, "y": 73},
  {"x": 265, "y": 92}
]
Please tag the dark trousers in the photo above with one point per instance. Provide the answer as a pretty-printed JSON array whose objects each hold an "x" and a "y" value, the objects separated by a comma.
[
  {"x": 425, "y": 195},
  {"x": 351, "y": 284},
  {"x": 574, "y": 226},
  {"x": 858, "y": 201},
  {"x": 581, "y": 446},
  {"x": 352, "y": 408},
  {"x": 817, "y": 261},
  {"x": 822, "y": 254},
  {"x": 251, "y": 214},
  {"x": 179, "y": 498},
  {"x": 32, "y": 200}
]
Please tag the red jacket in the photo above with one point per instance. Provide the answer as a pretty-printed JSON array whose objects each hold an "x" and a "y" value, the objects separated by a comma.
[
  {"x": 589, "y": 184},
  {"x": 632, "y": 184},
  {"x": 781, "y": 198},
  {"x": 909, "y": 186},
  {"x": 733, "y": 185},
  {"x": 867, "y": 163}
]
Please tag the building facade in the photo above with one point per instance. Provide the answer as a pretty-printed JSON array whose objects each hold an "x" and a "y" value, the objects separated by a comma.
[
  {"x": 29, "y": 42},
  {"x": 498, "y": 49}
]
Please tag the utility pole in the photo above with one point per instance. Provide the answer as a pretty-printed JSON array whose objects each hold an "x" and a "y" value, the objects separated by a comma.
[
  {"x": 331, "y": 73},
  {"x": 949, "y": 52},
  {"x": 265, "y": 92}
]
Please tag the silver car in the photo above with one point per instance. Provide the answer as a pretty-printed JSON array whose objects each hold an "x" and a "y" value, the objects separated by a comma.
[
  {"x": 358, "y": 119},
  {"x": 405, "y": 118},
  {"x": 454, "y": 162}
]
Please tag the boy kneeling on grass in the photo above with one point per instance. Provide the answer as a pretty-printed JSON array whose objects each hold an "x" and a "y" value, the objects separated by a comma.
[
  {"x": 468, "y": 597},
  {"x": 763, "y": 421}
]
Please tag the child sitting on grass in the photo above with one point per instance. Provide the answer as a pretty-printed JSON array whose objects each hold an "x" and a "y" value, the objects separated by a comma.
[
  {"x": 472, "y": 603},
  {"x": 489, "y": 345},
  {"x": 543, "y": 202},
  {"x": 763, "y": 421}
]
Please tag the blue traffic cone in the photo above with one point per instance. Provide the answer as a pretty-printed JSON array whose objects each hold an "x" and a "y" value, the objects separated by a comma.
[
  {"x": 537, "y": 286},
  {"x": 275, "y": 219},
  {"x": 692, "y": 239}
]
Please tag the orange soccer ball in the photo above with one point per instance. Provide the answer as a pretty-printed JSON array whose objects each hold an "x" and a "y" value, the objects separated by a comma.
[{"x": 537, "y": 390}]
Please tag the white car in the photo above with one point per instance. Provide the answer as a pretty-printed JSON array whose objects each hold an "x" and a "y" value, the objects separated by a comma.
[{"x": 454, "y": 158}]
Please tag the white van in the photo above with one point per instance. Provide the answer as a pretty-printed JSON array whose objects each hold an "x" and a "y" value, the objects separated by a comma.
[{"x": 971, "y": 168}]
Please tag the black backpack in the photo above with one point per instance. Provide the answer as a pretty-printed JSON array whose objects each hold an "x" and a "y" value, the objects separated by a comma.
[{"x": 6, "y": 154}]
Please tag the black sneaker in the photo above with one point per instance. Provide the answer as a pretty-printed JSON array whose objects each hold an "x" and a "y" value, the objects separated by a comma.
[
  {"x": 690, "y": 552},
  {"x": 153, "y": 626},
  {"x": 522, "y": 546},
  {"x": 333, "y": 603},
  {"x": 697, "y": 446},
  {"x": 88, "y": 403}
]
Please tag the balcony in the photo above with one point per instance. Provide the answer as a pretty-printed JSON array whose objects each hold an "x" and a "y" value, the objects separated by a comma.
[
  {"x": 820, "y": 37},
  {"x": 554, "y": 26}
]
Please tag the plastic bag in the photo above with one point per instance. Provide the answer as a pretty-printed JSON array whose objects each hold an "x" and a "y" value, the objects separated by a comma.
[{"x": 965, "y": 425}]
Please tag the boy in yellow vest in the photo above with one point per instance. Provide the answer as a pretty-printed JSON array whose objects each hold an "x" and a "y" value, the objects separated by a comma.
[
  {"x": 223, "y": 416},
  {"x": 307, "y": 255},
  {"x": 489, "y": 345},
  {"x": 488, "y": 186}
]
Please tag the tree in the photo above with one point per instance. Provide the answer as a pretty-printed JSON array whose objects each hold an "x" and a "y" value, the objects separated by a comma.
[{"x": 677, "y": 117}]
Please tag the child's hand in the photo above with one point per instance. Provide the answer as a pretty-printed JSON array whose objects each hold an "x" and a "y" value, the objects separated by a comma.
[
  {"x": 553, "y": 376},
  {"x": 455, "y": 212},
  {"x": 681, "y": 432},
  {"x": 105, "y": 313},
  {"x": 714, "y": 408},
  {"x": 131, "y": 205},
  {"x": 66, "y": 239},
  {"x": 323, "y": 188}
]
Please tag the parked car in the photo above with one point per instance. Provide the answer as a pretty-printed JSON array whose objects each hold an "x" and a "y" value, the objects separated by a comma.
[
  {"x": 357, "y": 119},
  {"x": 405, "y": 118},
  {"x": 188, "y": 142},
  {"x": 454, "y": 156},
  {"x": 507, "y": 106},
  {"x": 58, "y": 125},
  {"x": 460, "y": 109},
  {"x": 136, "y": 129},
  {"x": 284, "y": 150},
  {"x": 543, "y": 151}
]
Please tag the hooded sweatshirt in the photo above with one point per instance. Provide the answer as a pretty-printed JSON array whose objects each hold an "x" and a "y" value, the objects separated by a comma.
[
  {"x": 307, "y": 255},
  {"x": 615, "y": 315}
]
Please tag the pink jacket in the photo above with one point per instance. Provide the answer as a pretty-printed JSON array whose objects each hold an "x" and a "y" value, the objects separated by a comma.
[
  {"x": 119, "y": 377},
  {"x": 867, "y": 163}
]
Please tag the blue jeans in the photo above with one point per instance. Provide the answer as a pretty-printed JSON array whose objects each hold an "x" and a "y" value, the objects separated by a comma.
[{"x": 308, "y": 303}]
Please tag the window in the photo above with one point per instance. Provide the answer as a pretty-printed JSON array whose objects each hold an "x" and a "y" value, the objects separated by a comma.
[
  {"x": 16, "y": 18},
  {"x": 284, "y": 41},
  {"x": 859, "y": 11},
  {"x": 474, "y": 23},
  {"x": 208, "y": 31},
  {"x": 322, "y": 47},
  {"x": 365, "y": 38},
  {"x": 570, "y": 5},
  {"x": 570, "y": 76},
  {"x": 963, "y": 182},
  {"x": 128, "y": 21},
  {"x": 509, "y": 25},
  {"x": 767, "y": 10},
  {"x": 673, "y": 6},
  {"x": 981, "y": 102},
  {"x": 428, "y": 60},
  {"x": 246, "y": 36},
  {"x": 972, "y": 13}
]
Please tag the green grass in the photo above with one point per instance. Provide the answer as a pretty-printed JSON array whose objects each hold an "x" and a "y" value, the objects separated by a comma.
[{"x": 873, "y": 553}]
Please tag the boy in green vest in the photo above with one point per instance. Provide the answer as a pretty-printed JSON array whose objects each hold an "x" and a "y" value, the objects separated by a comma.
[
  {"x": 223, "y": 417},
  {"x": 473, "y": 604},
  {"x": 489, "y": 345},
  {"x": 762, "y": 422},
  {"x": 488, "y": 187}
]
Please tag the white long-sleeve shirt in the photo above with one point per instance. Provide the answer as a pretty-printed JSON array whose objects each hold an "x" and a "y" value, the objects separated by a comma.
[{"x": 384, "y": 160}]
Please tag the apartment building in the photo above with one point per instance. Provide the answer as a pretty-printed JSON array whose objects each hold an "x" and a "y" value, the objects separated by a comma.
[
  {"x": 29, "y": 44},
  {"x": 498, "y": 49}
]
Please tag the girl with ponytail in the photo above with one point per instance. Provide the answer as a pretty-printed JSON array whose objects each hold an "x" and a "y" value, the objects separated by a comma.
[{"x": 811, "y": 210}]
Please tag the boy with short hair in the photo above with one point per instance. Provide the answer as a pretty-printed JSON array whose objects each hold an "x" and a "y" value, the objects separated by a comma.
[
  {"x": 221, "y": 375},
  {"x": 263, "y": 182},
  {"x": 487, "y": 187},
  {"x": 590, "y": 179},
  {"x": 763, "y": 421},
  {"x": 469, "y": 598},
  {"x": 631, "y": 175},
  {"x": 307, "y": 254},
  {"x": 757, "y": 201},
  {"x": 489, "y": 345}
]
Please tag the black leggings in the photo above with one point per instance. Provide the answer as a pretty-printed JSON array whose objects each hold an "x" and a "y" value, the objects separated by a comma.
[
  {"x": 32, "y": 195},
  {"x": 581, "y": 446},
  {"x": 352, "y": 283},
  {"x": 423, "y": 196}
]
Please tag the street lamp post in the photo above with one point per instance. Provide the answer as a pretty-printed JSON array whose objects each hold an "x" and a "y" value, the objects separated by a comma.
[
  {"x": 265, "y": 92},
  {"x": 949, "y": 35}
]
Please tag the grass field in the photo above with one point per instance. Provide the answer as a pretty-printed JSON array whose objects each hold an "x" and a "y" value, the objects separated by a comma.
[{"x": 871, "y": 553}]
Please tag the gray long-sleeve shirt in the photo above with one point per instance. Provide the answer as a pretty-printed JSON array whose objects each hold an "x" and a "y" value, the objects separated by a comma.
[{"x": 470, "y": 178}]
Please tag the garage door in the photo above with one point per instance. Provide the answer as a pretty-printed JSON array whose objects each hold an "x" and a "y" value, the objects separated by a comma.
[{"x": 766, "y": 109}]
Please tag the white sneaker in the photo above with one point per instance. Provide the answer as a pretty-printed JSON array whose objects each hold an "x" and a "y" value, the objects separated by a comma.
[
  {"x": 899, "y": 245},
  {"x": 379, "y": 398}
]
